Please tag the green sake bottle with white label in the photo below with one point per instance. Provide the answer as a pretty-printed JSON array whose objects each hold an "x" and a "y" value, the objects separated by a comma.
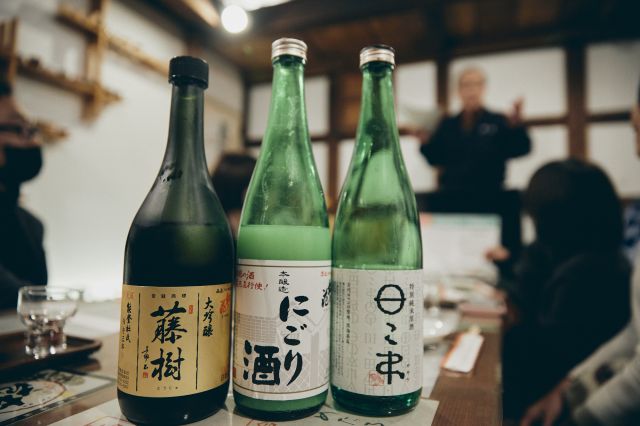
[
  {"x": 376, "y": 322},
  {"x": 281, "y": 349}
]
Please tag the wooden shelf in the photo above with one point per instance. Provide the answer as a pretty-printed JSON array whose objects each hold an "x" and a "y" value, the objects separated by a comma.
[
  {"x": 90, "y": 26},
  {"x": 32, "y": 68},
  {"x": 77, "y": 19},
  {"x": 50, "y": 132},
  {"x": 135, "y": 54}
]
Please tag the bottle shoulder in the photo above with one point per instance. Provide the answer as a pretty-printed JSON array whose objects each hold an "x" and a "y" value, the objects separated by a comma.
[
  {"x": 285, "y": 190},
  {"x": 181, "y": 202}
]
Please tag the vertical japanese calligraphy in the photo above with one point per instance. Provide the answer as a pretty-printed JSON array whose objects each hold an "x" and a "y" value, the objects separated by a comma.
[
  {"x": 168, "y": 339},
  {"x": 284, "y": 338},
  {"x": 377, "y": 343}
]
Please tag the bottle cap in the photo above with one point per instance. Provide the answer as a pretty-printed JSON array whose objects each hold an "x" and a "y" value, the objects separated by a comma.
[
  {"x": 189, "y": 68},
  {"x": 289, "y": 46},
  {"x": 377, "y": 53}
]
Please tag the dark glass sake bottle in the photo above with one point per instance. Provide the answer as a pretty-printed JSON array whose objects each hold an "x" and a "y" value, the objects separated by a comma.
[
  {"x": 376, "y": 323},
  {"x": 173, "y": 364},
  {"x": 281, "y": 346}
]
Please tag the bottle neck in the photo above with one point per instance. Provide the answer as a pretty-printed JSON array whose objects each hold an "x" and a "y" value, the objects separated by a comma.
[
  {"x": 377, "y": 114},
  {"x": 287, "y": 113},
  {"x": 185, "y": 144}
]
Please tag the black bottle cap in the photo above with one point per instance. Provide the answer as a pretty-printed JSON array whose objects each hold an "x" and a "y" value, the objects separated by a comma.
[{"x": 189, "y": 69}]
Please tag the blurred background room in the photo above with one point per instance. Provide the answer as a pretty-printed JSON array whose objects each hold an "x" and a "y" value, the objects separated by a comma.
[
  {"x": 548, "y": 80},
  {"x": 102, "y": 104}
]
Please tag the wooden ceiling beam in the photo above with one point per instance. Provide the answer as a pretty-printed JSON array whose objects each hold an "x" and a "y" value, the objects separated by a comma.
[
  {"x": 466, "y": 47},
  {"x": 301, "y": 15},
  {"x": 201, "y": 11},
  {"x": 310, "y": 19}
]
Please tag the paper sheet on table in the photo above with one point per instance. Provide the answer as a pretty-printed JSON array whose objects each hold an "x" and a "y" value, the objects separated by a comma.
[
  {"x": 455, "y": 244},
  {"x": 108, "y": 414},
  {"x": 44, "y": 391}
]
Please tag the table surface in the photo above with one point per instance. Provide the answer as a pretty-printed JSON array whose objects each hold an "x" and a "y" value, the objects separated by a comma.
[{"x": 465, "y": 399}]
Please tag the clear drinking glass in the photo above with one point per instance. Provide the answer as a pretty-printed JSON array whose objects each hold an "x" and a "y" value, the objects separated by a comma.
[{"x": 44, "y": 311}]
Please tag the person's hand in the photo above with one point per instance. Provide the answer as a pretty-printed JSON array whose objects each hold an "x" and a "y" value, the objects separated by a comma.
[
  {"x": 549, "y": 409},
  {"x": 515, "y": 117},
  {"x": 497, "y": 254},
  {"x": 512, "y": 315}
]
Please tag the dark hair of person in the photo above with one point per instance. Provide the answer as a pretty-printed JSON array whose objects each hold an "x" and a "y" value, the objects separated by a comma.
[
  {"x": 5, "y": 89},
  {"x": 231, "y": 179},
  {"x": 574, "y": 207}
]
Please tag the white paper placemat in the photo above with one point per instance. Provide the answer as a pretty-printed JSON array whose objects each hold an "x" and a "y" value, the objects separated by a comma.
[{"x": 108, "y": 414}]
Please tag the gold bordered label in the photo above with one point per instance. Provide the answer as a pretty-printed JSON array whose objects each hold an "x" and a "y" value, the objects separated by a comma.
[{"x": 174, "y": 341}]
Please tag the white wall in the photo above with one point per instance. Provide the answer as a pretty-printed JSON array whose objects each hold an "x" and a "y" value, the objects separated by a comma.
[
  {"x": 548, "y": 143},
  {"x": 536, "y": 75},
  {"x": 612, "y": 146},
  {"x": 613, "y": 74},
  {"x": 92, "y": 183}
]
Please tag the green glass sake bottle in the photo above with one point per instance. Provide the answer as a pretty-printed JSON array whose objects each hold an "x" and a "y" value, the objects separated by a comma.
[
  {"x": 281, "y": 343},
  {"x": 174, "y": 347},
  {"x": 376, "y": 322}
]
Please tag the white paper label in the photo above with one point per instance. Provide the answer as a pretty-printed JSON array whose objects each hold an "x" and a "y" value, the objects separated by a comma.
[
  {"x": 281, "y": 348},
  {"x": 376, "y": 332}
]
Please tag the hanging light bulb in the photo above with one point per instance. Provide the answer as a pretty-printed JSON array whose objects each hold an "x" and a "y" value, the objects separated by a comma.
[{"x": 234, "y": 19}]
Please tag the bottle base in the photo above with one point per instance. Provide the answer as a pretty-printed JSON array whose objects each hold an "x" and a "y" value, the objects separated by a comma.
[
  {"x": 278, "y": 410},
  {"x": 384, "y": 406},
  {"x": 177, "y": 410}
]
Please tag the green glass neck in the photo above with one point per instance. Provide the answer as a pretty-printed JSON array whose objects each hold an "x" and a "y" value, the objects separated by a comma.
[
  {"x": 377, "y": 125},
  {"x": 183, "y": 190},
  {"x": 185, "y": 144},
  {"x": 285, "y": 188},
  {"x": 376, "y": 224},
  {"x": 287, "y": 122}
]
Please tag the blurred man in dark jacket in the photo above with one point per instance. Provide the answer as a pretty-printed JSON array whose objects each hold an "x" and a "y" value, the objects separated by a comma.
[
  {"x": 22, "y": 259},
  {"x": 472, "y": 147}
]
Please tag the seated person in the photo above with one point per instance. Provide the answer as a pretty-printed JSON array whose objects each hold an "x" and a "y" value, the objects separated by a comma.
[
  {"x": 231, "y": 181},
  {"x": 22, "y": 259},
  {"x": 605, "y": 388},
  {"x": 569, "y": 291}
]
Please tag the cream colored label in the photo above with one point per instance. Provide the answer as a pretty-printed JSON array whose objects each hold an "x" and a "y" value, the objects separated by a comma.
[
  {"x": 376, "y": 331},
  {"x": 174, "y": 341}
]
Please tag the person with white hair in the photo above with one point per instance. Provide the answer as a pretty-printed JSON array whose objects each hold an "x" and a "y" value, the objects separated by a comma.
[{"x": 472, "y": 147}]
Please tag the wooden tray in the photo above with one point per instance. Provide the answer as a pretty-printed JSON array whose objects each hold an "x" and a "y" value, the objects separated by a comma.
[{"x": 13, "y": 358}]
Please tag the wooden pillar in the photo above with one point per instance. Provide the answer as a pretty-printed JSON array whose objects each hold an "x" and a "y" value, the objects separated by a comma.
[
  {"x": 333, "y": 142},
  {"x": 246, "y": 90},
  {"x": 8, "y": 43},
  {"x": 442, "y": 82},
  {"x": 94, "y": 55},
  {"x": 576, "y": 99}
]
